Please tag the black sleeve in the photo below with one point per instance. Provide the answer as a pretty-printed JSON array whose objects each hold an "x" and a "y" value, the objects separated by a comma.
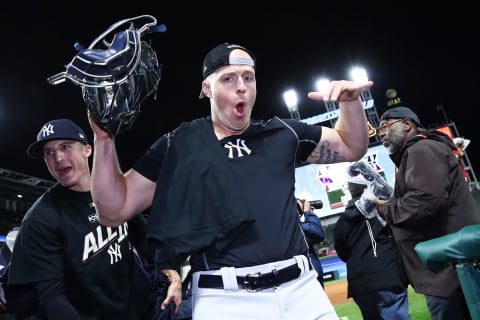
[
  {"x": 149, "y": 164},
  {"x": 309, "y": 136},
  {"x": 136, "y": 232},
  {"x": 51, "y": 295},
  {"x": 340, "y": 232}
]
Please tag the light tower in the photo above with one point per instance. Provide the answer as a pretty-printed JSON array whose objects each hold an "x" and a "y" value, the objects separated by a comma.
[{"x": 291, "y": 100}]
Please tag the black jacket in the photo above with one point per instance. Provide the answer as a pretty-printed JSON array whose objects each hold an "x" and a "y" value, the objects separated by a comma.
[{"x": 373, "y": 261}]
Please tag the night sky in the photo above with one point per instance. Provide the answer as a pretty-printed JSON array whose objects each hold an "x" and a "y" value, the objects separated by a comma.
[{"x": 428, "y": 55}]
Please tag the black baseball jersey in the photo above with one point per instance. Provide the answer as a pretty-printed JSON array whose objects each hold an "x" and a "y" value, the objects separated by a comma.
[
  {"x": 60, "y": 238},
  {"x": 263, "y": 160}
]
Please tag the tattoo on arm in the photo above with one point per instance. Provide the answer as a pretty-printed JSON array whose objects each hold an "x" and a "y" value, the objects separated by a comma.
[{"x": 324, "y": 154}]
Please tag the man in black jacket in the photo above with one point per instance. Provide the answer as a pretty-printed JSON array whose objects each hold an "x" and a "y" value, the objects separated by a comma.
[{"x": 374, "y": 267}]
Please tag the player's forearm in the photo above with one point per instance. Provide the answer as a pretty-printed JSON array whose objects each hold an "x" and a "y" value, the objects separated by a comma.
[
  {"x": 108, "y": 186},
  {"x": 353, "y": 129}
]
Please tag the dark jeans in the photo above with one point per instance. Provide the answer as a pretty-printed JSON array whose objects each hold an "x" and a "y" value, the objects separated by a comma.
[
  {"x": 442, "y": 308},
  {"x": 185, "y": 312},
  {"x": 385, "y": 304}
]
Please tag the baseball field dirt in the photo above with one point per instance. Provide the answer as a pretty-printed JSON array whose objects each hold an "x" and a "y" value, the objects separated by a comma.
[{"x": 337, "y": 291}]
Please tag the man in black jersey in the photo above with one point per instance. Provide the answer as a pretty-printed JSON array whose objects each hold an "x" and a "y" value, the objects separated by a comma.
[
  {"x": 221, "y": 190},
  {"x": 64, "y": 261}
]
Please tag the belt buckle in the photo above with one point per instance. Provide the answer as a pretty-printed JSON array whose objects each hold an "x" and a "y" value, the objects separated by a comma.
[{"x": 251, "y": 282}]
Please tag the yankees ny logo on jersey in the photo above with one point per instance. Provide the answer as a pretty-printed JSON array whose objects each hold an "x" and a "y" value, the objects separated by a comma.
[
  {"x": 240, "y": 148},
  {"x": 115, "y": 253}
]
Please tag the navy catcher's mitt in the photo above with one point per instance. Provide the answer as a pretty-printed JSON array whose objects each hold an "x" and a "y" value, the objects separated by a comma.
[{"x": 116, "y": 77}]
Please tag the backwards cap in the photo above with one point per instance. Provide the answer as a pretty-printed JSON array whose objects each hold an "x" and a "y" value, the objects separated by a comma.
[
  {"x": 60, "y": 129},
  {"x": 220, "y": 56}
]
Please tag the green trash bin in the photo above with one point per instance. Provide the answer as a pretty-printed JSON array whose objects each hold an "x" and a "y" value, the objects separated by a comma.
[{"x": 461, "y": 248}]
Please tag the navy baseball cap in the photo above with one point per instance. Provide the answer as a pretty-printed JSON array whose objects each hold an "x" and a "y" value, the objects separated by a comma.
[
  {"x": 220, "y": 56},
  {"x": 400, "y": 113},
  {"x": 60, "y": 129}
]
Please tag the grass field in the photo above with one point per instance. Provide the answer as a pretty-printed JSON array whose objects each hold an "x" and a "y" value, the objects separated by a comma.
[{"x": 416, "y": 305}]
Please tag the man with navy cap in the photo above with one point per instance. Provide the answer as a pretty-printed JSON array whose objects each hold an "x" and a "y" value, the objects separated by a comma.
[
  {"x": 64, "y": 261},
  {"x": 431, "y": 199},
  {"x": 221, "y": 190}
]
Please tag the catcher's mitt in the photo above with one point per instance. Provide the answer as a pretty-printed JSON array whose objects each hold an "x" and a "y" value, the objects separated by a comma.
[{"x": 116, "y": 78}]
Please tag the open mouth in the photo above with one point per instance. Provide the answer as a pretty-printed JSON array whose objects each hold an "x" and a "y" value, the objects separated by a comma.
[
  {"x": 63, "y": 171},
  {"x": 240, "y": 109}
]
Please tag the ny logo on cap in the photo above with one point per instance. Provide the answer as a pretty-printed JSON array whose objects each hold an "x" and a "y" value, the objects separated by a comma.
[{"x": 47, "y": 130}]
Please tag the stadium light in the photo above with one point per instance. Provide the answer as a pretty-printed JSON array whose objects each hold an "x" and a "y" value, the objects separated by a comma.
[
  {"x": 291, "y": 101},
  {"x": 358, "y": 74}
]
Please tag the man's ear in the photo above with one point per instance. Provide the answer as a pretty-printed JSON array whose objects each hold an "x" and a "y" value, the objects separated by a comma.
[
  {"x": 87, "y": 150},
  {"x": 409, "y": 124},
  {"x": 206, "y": 89}
]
